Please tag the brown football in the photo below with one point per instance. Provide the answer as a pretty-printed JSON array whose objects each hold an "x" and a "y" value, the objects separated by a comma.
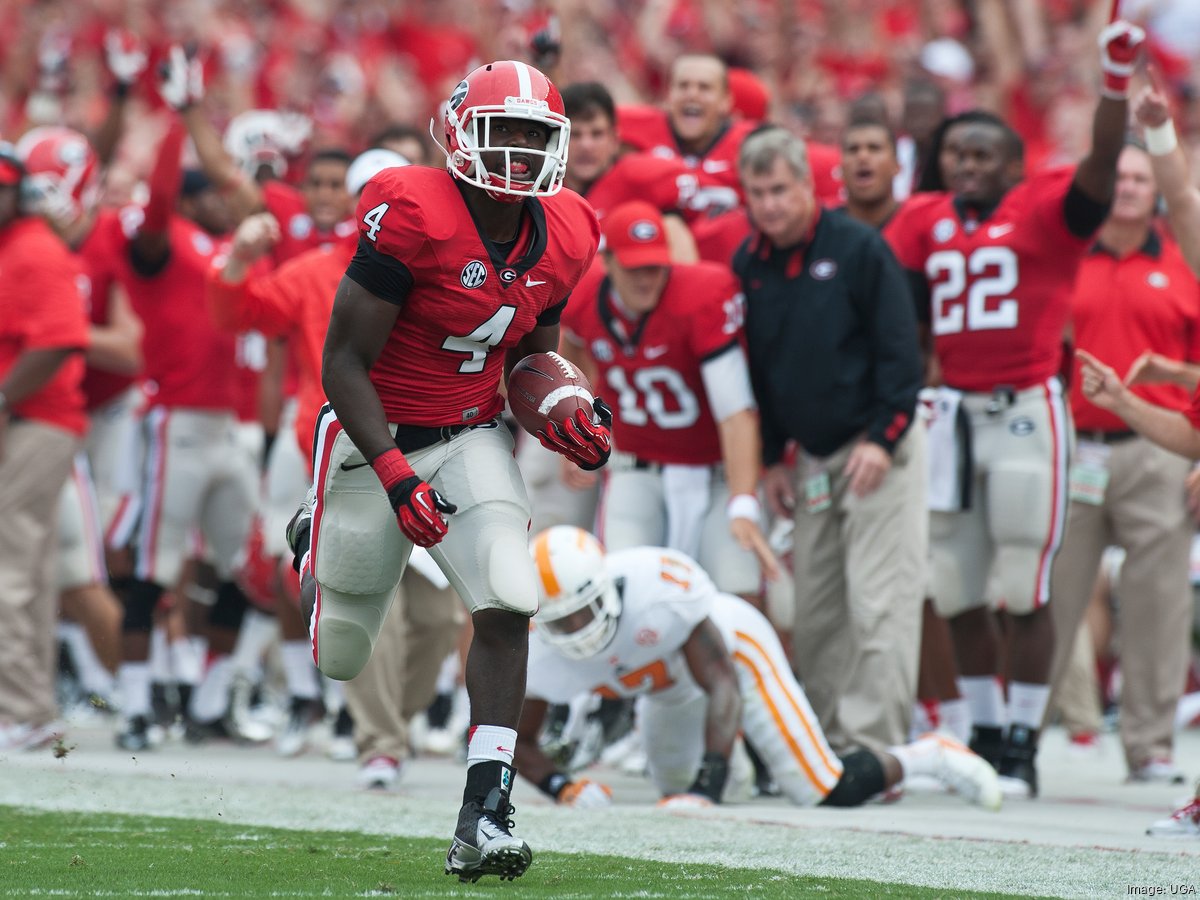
[{"x": 544, "y": 387}]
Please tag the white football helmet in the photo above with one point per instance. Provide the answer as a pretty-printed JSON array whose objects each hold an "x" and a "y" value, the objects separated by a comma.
[
  {"x": 580, "y": 604},
  {"x": 506, "y": 89},
  {"x": 266, "y": 137}
]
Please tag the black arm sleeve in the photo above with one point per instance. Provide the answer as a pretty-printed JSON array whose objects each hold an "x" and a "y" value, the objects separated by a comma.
[
  {"x": 1083, "y": 214},
  {"x": 144, "y": 266},
  {"x": 384, "y": 276},
  {"x": 552, "y": 315}
]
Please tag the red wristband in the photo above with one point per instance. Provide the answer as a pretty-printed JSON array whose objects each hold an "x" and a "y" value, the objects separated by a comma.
[{"x": 391, "y": 467}]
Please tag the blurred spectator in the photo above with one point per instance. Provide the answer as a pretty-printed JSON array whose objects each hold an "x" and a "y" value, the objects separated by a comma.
[
  {"x": 836, "y": 366},
  {"x": 1134, "y": 294},
  {"x": 42, "y": 331}
]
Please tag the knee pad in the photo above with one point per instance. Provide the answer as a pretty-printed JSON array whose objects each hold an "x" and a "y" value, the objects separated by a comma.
[
  {"x": 862, "y": 778},
  {"x": 510, "y": 577},
  {"x": 344, "y": 630},
  {"x": 140, "y": 598},
  {"x": 229, "y": 608}
]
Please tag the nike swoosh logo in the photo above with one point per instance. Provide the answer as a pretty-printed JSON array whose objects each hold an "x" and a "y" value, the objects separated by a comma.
[
  {"x": 999, "y": 231},
  {"x": 656, "y": 352},
  {"x": 531, "y": 282},
  {"x": 346, "y": 467}
]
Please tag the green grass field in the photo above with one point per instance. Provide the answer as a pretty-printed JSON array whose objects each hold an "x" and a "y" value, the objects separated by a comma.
[{"x": 101, "y": 855}]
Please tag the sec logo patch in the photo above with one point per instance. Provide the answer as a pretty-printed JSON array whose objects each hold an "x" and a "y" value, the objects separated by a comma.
[{"x": 473, "y": 275}]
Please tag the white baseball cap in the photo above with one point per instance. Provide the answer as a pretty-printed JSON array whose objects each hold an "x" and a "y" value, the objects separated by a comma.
[{"x": 370, "y": 163}]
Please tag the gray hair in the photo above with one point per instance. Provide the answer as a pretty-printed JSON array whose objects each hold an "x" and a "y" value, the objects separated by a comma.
[{"x": 761, "y": 148}]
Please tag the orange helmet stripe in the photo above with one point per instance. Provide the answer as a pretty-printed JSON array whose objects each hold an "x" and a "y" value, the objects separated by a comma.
[{"x": 541, "y": 556}]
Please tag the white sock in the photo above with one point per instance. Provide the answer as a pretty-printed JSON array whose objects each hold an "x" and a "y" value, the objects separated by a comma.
[
  {"x": 1027, "y": 703},
  {"x": 92, "y": 675},
  {"x": 299, "y": 671},
  {"x": 918, "y": 758},
  {"x": 985, "y": 700},
  {"x": 133, "y": 684},
  {"x": 490, "y": 742},
  {"x": 448, "y": 674},
  {"x": 187, "y": 661},
  {"x": 210, "y": 700},
  {"x": 335, "y": 697},
  {"x": 956, "y": 718},
  {"x": 160, "y": 657},
  {"x": 255, "y": 635}
]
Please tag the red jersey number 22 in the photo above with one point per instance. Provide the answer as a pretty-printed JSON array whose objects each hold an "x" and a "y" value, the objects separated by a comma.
[{"x": 988, "y": 276}]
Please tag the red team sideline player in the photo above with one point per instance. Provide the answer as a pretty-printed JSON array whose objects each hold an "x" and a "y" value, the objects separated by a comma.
[
  {"x": 458, "y": 275},
  {"x": 996, "y": 259}
]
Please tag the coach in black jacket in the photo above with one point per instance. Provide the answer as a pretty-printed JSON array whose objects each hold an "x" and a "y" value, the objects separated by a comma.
[{"x": 836, "y": 366}]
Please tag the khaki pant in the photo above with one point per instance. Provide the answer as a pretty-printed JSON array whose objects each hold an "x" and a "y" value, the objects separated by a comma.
[
  {"x": 33, "y": 469},
  {"x": 1142, "y": 511},
  {"x": 1077, "y": 692},
  {"x": 400, "y": 679},
  {"x": 860, "y": 581}
]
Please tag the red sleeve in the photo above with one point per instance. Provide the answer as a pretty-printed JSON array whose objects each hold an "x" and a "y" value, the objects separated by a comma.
[
  {"x": 1045, "y": 192},
  {"x": 641, "y": 126},
  {"x": 164, "y": 181},
  {"x": 389, "y": 219},
  {"x": 261, "y": 304},
  {"x": 908, "y": 230},
  {"x": 717, "y": 319},
  {"x": 58, "y": 320}
]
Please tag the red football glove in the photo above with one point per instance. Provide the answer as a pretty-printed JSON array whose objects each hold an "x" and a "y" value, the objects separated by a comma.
[
  {"x": 1120, "y": 45},
  {"x": 418, "y": 506},
  {"x": 586, "y": 443}
]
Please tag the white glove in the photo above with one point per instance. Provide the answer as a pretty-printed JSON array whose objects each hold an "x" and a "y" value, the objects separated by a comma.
[
  {"x": 685, "y": 802},
  {"x": 125, "y": 55},
  {"x": 1120, "y": 47},
  {"x": 182, "y": 79},
  {"x": 585, "y": 794}
]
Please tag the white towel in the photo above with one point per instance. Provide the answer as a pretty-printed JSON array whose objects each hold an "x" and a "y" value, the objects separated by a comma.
[
  {"x": 944, "y": 454},
  {"x": 686, "y": 493}
]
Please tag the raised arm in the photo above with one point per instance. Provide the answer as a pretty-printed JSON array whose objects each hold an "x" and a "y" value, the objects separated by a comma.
[
  {"x": 1120, "y": 46},
  {"x": 151, "y": 246},
  {"x": 1171, "y": 172}
]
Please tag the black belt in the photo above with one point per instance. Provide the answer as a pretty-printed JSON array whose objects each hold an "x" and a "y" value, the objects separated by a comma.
[
  {"x": 1106, "y": 437},
  {"x": 411, "y": 438}
]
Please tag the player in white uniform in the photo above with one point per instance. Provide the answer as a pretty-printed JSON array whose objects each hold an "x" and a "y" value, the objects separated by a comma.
[{"x": 648, "y": 622}]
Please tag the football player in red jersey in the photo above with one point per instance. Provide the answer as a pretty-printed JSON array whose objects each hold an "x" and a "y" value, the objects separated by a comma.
[
  {"x": 458, "y": 274},
  {"x": 196, "y": 471},
  {"x": 696, "y": 126},
  {"x": 996, "y": 257},
  {"x": 606, "y": 177},
  {"x": 666, "y": 339}
]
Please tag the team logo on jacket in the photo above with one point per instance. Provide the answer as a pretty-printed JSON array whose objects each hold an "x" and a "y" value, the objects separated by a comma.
[
  {"x": 602, "y": 350},
  {"x": 823, "y": 269},
  {"x": 1158, "y": 280},
  {"x": 508, "y": 276},
  {"x": 300, "y": 226},
  {"x": 203, "y": 244},
  {"x": 943, "y": 230},
  {"x": 473, "y": 275}
]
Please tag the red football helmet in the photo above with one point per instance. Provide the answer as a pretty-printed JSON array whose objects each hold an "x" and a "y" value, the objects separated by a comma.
[
  {"x": 506, "y": 89},
  {"x": 62, "y": 172}
]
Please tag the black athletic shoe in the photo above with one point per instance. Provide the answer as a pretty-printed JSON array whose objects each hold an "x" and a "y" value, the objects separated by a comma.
[
  {"x": 1017, "y": 769},
  {"x": 988, "y": 742},
  {"x": 483, "y": 841},
  {"x": 134, "y": 735}
]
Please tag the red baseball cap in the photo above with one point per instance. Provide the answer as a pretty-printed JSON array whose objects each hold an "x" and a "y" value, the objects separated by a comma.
[
  {"x": 635, "y": 234},
  {"x": 750, "y": 95}
]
